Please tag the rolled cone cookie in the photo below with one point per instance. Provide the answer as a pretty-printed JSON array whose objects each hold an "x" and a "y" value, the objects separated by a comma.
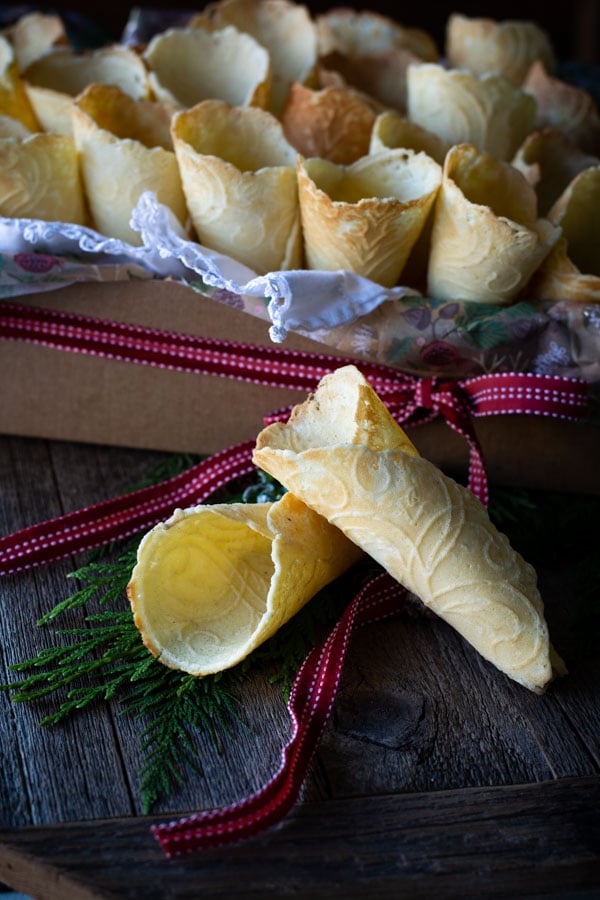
[
  {"x": 125, "y": 148},
  {"x": 460, "y": 107},
  {"x": 550, "y": 160},
  {"x": 510, "y": 46},
  {"x": 569, "y": 107},
  {"x": 55, "y": 79},
  {"x": 284, "y": 28},
  {"x": 214, "y": 582},
  {"x": 188, "y": 65},
  {"x": 487, "y": 239},
  {"x": 40, "y": 178},
  {"x": 345, "y": 457},
  {"x": 239, "y": 178},
  {"x": 572, "y": 270},
  {"x": 366, "y": 217}
]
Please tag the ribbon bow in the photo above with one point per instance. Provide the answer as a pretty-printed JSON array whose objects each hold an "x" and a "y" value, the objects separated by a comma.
[{"x": 433, "y": 397}]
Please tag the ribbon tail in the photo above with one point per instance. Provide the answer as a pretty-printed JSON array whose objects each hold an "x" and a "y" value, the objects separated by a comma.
[
  {"x": 477, "y": 475},
  {"x": 121, "y": 517},
  {"x": 452, "y": 402},
  {"x": 310, "y": 705}
]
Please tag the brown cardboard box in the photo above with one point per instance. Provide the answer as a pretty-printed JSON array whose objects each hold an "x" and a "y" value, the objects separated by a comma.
[{"x": 67, "y": 396}]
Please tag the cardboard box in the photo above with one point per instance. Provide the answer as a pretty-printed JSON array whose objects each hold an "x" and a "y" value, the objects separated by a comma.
[{"x": 69, "y": 396}]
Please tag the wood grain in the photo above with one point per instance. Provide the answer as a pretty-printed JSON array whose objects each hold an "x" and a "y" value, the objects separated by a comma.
[
  {"x": 518, "y": 841},
  {"x": 437, "y": 776}
]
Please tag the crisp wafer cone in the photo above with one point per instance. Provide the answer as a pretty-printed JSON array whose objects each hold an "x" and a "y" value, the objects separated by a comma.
[
  {"x": 345, "y": 457},
  {"x": 486, "y": 239},
  {"x": 372, "y": 52},
  {"x": 214, "y": 582},
  {"x": 14, "y": 101},
  {"x": 188, "y": 65},
  {"x": 572, "y": 270},
  {"x": 357, "y": 33},
  {"x": 569, "y": 107},
  {"x": 485, "y": 45},
  {"x": 460, "y": 107},
  {"x": 550, "y": 161},
  {"x": 55, "y": 79},
  {"x": 40, "y": 179},
  {"x": 239, "y": 178},
  {"x": 34, "y": 34},
  {"x": 366, "y": 217},
  {"x": 392, "y": 130},
  {"x": 381, "y": 76},
  {"x": 333, "y": 123},
  {"x": 125, "y": 149},
  {"x": 285, "y": 29}
]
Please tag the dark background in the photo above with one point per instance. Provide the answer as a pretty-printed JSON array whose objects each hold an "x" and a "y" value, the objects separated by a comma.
[{"x": 574, "y": 27}]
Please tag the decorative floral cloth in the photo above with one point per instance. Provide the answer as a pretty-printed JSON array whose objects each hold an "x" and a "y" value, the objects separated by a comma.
[{"x": 395, "y": 327}]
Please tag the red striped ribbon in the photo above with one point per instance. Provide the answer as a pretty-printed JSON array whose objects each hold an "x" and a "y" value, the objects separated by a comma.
[
  {"x": 411, "y": 401},
  {"x": 119, "y": 518},
  {"x": 310, "y": 704}
]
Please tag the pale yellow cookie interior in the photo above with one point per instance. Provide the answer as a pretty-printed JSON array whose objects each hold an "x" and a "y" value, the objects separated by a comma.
[
  {"x": 286, "y": 30},
  {"x": 188, "y": 65},
  {"x": 214, "y": 582},
  {"x": 392, "y": 130}
]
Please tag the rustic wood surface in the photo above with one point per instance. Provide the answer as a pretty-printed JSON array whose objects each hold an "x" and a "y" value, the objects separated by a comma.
[{"x": 436, "y": 777}]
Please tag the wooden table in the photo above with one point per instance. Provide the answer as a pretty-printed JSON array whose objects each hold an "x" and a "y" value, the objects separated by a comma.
[{"x": 437, "y": 777}]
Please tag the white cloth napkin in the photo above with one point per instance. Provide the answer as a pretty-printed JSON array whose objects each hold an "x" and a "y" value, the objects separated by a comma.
[{"x": 300, "y": 300}]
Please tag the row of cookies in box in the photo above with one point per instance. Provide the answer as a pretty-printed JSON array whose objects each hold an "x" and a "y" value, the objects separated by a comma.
[{"x": 342, "y": 141}]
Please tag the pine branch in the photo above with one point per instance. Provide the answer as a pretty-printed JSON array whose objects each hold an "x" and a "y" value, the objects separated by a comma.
[
  {"x": 176, "y": 706},
  {"x": 106, "y": 580},
  {"x": 107, "y": 660},
  {"x": 173, "y": 465}
]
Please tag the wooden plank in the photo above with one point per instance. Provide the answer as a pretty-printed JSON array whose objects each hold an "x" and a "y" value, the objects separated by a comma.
[
  {"x": 73, "y": 765},
  {"x": 504, "y": 842}
]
